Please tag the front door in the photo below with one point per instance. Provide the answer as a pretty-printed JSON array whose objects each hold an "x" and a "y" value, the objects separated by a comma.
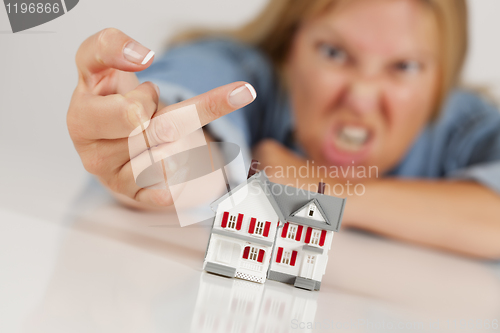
[{"x": 308, "y": 266}]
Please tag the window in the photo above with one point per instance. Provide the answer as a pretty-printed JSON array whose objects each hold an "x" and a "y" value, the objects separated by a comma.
[
  {"x": 254, "y": 254},
  {"x": 315, "y": 236},
  {"x": 286, "y": 257},
  {"x": 259, "y": 229},
  {"x": 292, "y": 230},
  {"x": 311, "y": 210},
  {"x": 232, "y": 222}
]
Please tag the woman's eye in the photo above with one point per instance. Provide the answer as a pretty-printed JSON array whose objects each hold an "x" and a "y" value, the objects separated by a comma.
[
  {"x": 333, "y": 52},
  {"x": 408, "y": 66}
]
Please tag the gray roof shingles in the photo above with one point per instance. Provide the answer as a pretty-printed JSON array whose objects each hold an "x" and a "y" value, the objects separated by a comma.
[{"x": 286, "y": 200}]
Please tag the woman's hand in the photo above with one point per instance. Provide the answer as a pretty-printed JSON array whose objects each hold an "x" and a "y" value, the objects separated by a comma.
[{"x": 109, "y": 103}]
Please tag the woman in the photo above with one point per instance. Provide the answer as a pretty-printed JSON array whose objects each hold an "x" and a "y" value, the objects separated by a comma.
[{"x": 363, "y": 84}]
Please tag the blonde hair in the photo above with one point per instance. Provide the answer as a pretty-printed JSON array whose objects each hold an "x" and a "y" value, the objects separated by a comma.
[{"x": 272, "y": 31}]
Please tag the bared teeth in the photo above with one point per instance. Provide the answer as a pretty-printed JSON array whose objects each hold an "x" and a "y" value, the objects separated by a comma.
[{"x": 352, "y": 137}]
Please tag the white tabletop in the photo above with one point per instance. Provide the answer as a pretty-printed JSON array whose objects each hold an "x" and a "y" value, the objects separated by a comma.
[
  {"x": 104, "y": 268},
  {"x": 72, "y": 260}
]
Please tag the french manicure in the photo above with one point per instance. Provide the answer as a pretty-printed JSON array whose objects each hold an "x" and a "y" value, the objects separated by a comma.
[
  {"x": 242, "y": 95},
  {"x": 137, "y": 53}
]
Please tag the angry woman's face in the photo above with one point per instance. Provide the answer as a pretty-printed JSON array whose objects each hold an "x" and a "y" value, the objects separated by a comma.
[{"x": 363, "y": 80}]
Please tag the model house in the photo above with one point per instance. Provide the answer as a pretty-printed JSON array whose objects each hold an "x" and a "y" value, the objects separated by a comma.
[{"x": 267, "y": 230}]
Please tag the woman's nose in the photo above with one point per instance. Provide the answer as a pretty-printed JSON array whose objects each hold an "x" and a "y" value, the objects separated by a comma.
[{"x": 363, "y": 96}]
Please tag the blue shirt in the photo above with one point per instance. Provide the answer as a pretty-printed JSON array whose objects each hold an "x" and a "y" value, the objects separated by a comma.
[{"x": 464, "y": 142}]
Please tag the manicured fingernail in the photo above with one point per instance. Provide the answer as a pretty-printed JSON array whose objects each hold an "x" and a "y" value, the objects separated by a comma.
[
  {"x": 136, "y": 53},
  {"x": 157, "y": 90},
  {"x": 242, "y": 95}
]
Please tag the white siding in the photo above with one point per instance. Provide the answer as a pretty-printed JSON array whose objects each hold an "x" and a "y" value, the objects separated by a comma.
[
  {"x": 252, "y": 202},
  {"x": 236, "y": 260},
  {"x": 304, "y": 212},
  {"x": 255, "y": 204},
  {"x": 290, "y": 245}
]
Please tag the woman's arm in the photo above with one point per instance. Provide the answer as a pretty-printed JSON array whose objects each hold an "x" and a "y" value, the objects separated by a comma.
[{"x": 458, "y": 216}]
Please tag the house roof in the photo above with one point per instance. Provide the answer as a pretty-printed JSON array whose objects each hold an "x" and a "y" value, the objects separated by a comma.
[
  {"x": 316, "y": 203},
  {"x": 291, "y": 199},
  {"x": 263, "y": 181},
  {"x": 287, "y": 200}
]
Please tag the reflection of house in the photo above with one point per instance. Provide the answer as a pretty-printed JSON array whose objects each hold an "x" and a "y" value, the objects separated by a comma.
[
  {"x": 226, "y": 306},
  {"x": 236, "y": 306},
  {"x": 283, "y": 311},
  {"x": 263, "y": 229}
]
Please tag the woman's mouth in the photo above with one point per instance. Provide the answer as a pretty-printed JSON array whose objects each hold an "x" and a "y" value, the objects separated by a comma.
[
  {"x": 348, "y": 144},
  {"x": 351, "y": 138}
]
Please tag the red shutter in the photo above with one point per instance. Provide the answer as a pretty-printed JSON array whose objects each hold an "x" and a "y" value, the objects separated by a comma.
[
  {"x": 224, "y": 219},
  {"x": 294, "y": 257},
  {"x": 299, "y": 233},
  {"x": 266, "y": 229},
  {"x": 245, "y": 252},
  {"x": 238, "y": 222},
  {"x": 251, "y": 229},
  {"x": 285, "y": 230},
  {"x": 322, "y": 239},
  {"x": 279, "y": 254},
  {"x": 308, "y": 235},
  {"x": 261, "y": 256}
]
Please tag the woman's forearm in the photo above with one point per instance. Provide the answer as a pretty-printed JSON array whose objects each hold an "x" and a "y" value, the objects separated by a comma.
[{"x": 459, "y": 216}]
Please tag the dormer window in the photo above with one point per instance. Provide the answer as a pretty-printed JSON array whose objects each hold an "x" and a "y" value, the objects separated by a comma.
[{"x": 312, "y": 208}]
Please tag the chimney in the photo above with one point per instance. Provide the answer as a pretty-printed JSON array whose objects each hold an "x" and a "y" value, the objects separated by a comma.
[
  {"x": 253, "y": 168},
  {"x": 321, "y": 188}
]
